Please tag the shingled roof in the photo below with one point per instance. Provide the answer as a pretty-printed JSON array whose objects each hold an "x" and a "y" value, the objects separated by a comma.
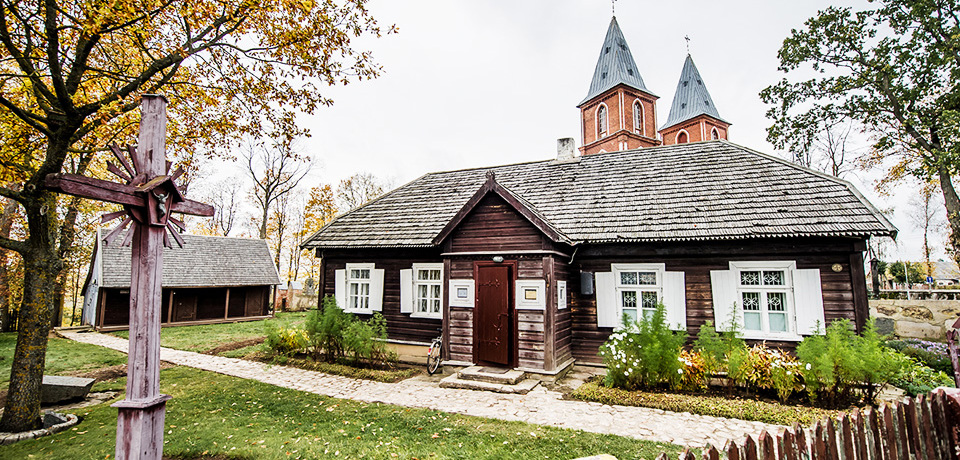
[
  {"x": 691, "y": 98},
  {"x": 615, "y": 65},
  {"x": 712, "y": 190},
  {"x": 204, "y": 261}
]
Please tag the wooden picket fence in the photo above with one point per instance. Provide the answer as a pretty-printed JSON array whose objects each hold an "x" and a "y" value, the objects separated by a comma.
[{"x": 925, "y": 428}]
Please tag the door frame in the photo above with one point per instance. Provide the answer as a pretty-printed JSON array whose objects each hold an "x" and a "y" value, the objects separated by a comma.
[{"x": 513, "y": 352}]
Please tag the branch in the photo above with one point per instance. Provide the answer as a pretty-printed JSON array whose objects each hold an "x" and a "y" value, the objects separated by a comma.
[
  {"x": 23, "y": 61},
  {"x": 14, "y": 245},
  {"x": 53, "y": 55},
  {"x": 29, "y": 118},
  {"x": 85, "y": 46},
  {"x": 12, "y": 194}
]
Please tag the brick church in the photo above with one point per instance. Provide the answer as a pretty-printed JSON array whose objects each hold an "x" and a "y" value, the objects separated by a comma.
[
  {"x": 531, "y": 266},
  {"x": 619, "y": 112}
]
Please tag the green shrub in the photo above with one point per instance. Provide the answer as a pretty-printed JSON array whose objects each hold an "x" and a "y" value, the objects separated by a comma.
[
  {"x": 644, "y": 354},
  {"x": 714, "y": 347},
  {"x": 875, "y": 363},
  {"x": 915, "y": 378},
  {"x": 285, "y": 341},
  {"x": 326, "y": 328}
]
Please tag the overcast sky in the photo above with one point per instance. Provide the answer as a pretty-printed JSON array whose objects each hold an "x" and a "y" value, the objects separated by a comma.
[{"x": 481, "y": 83}]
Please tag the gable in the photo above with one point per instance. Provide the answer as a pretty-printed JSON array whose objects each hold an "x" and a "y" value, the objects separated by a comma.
[{"x": 494, "y": 225}]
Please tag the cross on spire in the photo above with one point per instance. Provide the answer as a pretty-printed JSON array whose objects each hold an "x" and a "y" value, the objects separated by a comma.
[
  {"x": 613, "y": 7},
  {"x": 687, "y": 38}
]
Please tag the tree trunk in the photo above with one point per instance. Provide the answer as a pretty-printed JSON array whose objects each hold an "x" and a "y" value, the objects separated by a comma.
[
  {"x": 41, "y": 272},
  {"x": 6, "y": 223},
  {"x": 952, "y": 203}
]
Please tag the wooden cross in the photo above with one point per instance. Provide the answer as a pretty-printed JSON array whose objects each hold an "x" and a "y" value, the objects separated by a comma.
[{"x": 149, "y": 196}]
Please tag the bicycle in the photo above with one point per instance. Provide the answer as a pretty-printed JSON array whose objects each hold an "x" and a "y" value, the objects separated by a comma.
[{"x": 434, "y": 355}]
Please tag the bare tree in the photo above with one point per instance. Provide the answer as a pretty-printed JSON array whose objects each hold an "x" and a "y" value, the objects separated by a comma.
[
  {"x": 829, "y": 150},
  {"x": 275, "y": 173},
  {"x": 358, "y": 189},
  {"x": 224, "y": 200},
  {"x": 924, "y": 216}
]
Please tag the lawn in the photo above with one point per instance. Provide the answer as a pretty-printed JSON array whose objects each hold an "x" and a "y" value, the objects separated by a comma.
[
  {"x": 216, "y": 416},
  {"x": 205, "y": 337},
  {"x": 63, "y": 357}
]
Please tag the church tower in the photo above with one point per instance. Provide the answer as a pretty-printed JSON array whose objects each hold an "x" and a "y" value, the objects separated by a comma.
[
  {"x": 619, "y": 112},
  {"x": 693, "y": 117}
]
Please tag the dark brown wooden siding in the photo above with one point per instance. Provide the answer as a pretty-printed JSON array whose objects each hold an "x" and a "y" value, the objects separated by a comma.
[
  {"x": 460, "y": 335},
  {"x": 494, "y": 225},
  {"x": 696, "y": 260},
  {"x": 202, "y": 305},
  {"x": 563, "y": 324},
  {"x": 400, "y": 326}
]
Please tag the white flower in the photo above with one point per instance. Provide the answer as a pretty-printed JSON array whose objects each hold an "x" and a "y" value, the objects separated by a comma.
[
  {"x": 680, "y": 371},
  {"x": 808, "y": 366}
]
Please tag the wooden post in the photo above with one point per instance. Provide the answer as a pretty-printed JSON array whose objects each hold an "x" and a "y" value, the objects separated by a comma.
[{"x": 141, "y": 413}]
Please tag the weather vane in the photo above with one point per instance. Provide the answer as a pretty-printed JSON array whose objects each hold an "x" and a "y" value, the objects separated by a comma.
[{"x": 687, "y": 38}]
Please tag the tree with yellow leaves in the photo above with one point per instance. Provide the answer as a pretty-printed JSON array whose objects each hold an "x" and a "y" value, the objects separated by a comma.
[{"x": 71, "y": 76}]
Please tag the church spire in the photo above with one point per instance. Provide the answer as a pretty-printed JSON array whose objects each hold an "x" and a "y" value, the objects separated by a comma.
[
  {"x": 619, "y": 112},
  {"x": 693, "y": 116},
  {"x": 615, "y": 65}
]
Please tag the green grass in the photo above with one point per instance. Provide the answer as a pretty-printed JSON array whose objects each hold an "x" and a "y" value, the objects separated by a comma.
[
  {"x": 718, "y": 406},
  {"x": 345, "y": 369},
  {"x": 203, "y": 337},
  {"x": 215, "y": 416},
  {"x": 63, "y": 356}
]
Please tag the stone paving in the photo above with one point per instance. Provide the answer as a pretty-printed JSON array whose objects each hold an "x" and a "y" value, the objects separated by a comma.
[{"x": 541, "y": 406}]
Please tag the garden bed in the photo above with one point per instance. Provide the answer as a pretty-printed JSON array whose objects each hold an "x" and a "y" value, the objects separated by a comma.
[
  {"x": 717, "y": 405},
  {"x": 388, "y": 373}
]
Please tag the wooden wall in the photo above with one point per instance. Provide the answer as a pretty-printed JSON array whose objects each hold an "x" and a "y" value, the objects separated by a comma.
[
  {"x": 696, "y": 260},
  {"x": 400, "y": 326},
  {"x": 186, "y": 305},
  {"x": 494, "y": 225}
]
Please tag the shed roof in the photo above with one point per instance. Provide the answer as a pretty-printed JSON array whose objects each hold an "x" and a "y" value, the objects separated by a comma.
[
  {"x": 691, "y": 98},
  {"x": 615, "y": 65},
  {"x": 204, "y": 261},
  {"x": 712, "y": 190}
]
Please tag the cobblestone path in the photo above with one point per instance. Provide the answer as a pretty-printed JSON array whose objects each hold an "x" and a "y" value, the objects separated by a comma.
[{"x": 540, "y": 406}]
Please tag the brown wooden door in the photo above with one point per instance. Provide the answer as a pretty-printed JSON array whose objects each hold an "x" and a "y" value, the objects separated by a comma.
[
  {"x": 493, "y": 322},
  {"x": 184, "y": 306}
]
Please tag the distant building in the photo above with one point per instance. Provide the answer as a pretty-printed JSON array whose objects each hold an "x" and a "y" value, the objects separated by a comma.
[{"x": 209, "y": 280}]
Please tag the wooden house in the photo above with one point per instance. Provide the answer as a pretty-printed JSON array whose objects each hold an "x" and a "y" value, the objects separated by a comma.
[
  {"x": 209, "y": 280},
  {"x": 533, "y": 265}
]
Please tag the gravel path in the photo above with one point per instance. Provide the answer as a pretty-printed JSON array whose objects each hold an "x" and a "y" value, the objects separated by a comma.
[{"x": 540, "y": 406}]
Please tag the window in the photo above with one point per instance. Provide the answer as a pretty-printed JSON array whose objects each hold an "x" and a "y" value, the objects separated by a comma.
[
  {"x": 428, "y": 289},
  {"x": 638, "y": 117},
  {"x": 763, "y": 295},
  {"x": 358, "y": 287},
  {"x": 714, "y": 134},
  {"x": 768, "y": 299},
  {"x": 601, "y": 121},
  {"x": 639, "y": 289},
  {"x": 682, "y": 137}
]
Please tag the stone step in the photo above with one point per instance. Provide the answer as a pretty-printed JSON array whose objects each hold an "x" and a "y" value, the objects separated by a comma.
[
  {"x": 491, "y": 375},
  {"x": 523, "y": 387}
]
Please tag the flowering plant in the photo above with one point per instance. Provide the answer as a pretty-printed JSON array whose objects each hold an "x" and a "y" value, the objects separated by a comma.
[{"x": 644, "y": 353}]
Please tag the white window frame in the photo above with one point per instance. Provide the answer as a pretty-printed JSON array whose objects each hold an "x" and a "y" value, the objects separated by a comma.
[
  {"x": 350, "y": 281},
  {"x": 788, "y": 268},
  {"x": 639, "y": 289},
  {"x": 603, "y": 122},
  {"x": 677, "y": 138},
  {"x": 417, "y": 282},
  {"x": 714, "y": 133},
  {"x": 638, "y": 118}
]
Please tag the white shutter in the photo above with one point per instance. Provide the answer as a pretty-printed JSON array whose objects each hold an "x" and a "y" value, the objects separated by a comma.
[
  {"x": 406, "y": 291},
  {"x": 376, "y": 289},
  {"x": 606, "y": 300},
  {"x": 340, "y": 288},
  {"x": 808, "y": 301},
  {"x": 675, "y": 299},
  {"x": 724, "y": 286}
]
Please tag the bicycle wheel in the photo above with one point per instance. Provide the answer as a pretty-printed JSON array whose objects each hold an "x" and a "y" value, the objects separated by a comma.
[{"x": 433, "y": 357}]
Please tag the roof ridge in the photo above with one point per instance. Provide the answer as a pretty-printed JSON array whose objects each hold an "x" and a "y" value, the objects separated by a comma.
[{"x": 876, "y": 212}]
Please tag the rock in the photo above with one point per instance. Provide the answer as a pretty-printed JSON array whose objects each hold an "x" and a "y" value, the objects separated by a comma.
[
  {"x": 57, "y": 389},
  {"x": 888, "y": 310},
  {"x": 919, "y": 330},
  {"x": 916, "y": 312},
  {"x": 951, "y": 312},
  {"x": 884, "y": 326},
  {"x": 51, "y": 418}
]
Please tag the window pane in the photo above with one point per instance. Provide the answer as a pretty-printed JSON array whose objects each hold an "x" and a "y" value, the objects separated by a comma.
[
  {"x": 778, "y": 322},
  {"x": 751, "y": 321},
  {"x": 649, "y": 278},
  {"x": 354, "y": 301},
  {"x": 365, "y": 302},
  {"x": 354, "y": 274},
  {"x": 631, "y": 313},
  {"x": 628, "y": 278},
  {"x": 435, "y": 291},
  {"x": 647, "y": 314},
  {"x": 421, "y": 290},
  {"x": 750, "y": 278},
  {"x": 649, "y": 300},
  {"x": 423, "y": 274},
  {"x": 436, "y": 306},
  {"x": 751, "y": 301},
  {"x": 435, "y": 275},
  {"x": 364, "y": 289},
  {"x": 354, "y": 288},
  {"x": 773, "y": 278},
  {"x": 422, "y": 305},
  {"x": 629, "y": 300},
  {"x": 776, "y": 301}
]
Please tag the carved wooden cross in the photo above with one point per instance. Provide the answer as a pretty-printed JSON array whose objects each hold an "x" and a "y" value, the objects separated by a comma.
[{"x": 149, "y": 196}]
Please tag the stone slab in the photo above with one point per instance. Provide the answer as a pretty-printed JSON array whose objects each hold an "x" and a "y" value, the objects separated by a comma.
[
  {"x": 56, "y": 389},
  {"x": 918, "y": 330},
  {"x": 523, "y": 387},
  {"x": 483, "y": 374}
]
